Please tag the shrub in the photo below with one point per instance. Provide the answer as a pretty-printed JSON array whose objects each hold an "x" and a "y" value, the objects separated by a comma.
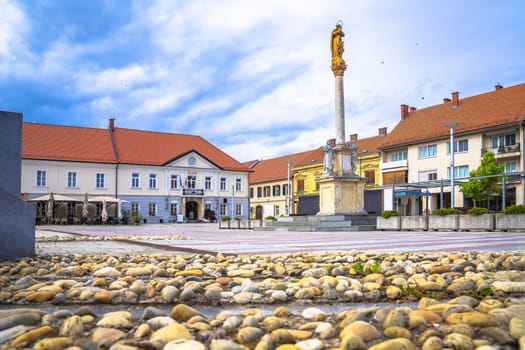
[
  {"x": 388, "y": 213},
  {"x": 225, "y": 218},
  {"x": 477, "y": 211},
  {"x": 270, "y": 217},
  {"x": 446, "y": 211},
  {"x": 515, "y": 209}
]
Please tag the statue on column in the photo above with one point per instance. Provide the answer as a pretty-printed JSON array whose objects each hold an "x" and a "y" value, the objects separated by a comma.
[
  {"x": 329, "y": 156},
  {"x": 337, "y": 48},
  {"x": 353, "y": 150}
]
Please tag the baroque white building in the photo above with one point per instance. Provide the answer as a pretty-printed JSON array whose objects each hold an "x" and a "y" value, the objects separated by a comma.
[{"x": 164, "y": 177}]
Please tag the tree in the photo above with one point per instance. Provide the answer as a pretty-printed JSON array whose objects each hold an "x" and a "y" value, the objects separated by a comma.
[{"x": 482, "y": 187}]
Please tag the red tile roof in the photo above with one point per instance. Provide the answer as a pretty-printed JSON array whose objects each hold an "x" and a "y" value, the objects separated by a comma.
[
  {"x": 57, "y": 142},
  {"x": 498, "y": 107},
  {"x": 275, "y": 168},
  {"x": 67, "y": 143},
  {"x": 158, "y": 148}
]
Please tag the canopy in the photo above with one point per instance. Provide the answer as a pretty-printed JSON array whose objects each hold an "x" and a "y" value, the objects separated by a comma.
[
  {"x": 106, "y": 199},
  {"x": 55, "y": 197}
]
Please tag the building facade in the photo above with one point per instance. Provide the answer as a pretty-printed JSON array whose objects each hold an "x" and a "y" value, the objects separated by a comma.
[
  {"x": 270, "y": 180},
  {"x": 416, "y": 159},
  {"x": 163, "y": 177}
]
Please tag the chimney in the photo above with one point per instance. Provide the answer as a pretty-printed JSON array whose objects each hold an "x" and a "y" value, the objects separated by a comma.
[
  {"x": 446, "y": 100},
  {"x": 404, "y": 111},
  {"x": 455, "y": 98},
  {"x": 412, "y": 109},
  {"x": 112, "y": 124},
  {"x": 498, "y": 86},
  {"x": 353, "y": 138},
  {"x": 381, "y": 131}
]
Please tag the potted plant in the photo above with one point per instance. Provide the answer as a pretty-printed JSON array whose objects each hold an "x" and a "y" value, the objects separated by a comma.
[
  {"x": 478, "y": 219},
  {"x": 225, "y": 222},
  {"x": 512, "y": 218},
  {"x": 389, "y": 220},
  {"x": 136, "y": 217},
  {"x": 444, "y": 219}
]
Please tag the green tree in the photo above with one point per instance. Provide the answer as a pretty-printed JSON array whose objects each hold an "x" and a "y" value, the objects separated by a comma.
[{"x": 484, "y": 188}]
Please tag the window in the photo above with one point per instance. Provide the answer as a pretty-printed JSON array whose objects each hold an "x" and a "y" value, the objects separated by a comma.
[
  {"x": 277, "y": 210},
  {"x": 134, "y": 208},
  {"x": 395, "y": 177},
  {"x": 207, "y": 183},
  {"x": 259, "y": 192},
  {"x": 511, "y": 167},
  {"x": 370, "y": 176},
  {"x": 135, "y": 180},
  {"x": 238, "y": 209},
  {"x": 152, "y": 181},
  {"x": 191, "y": 181},
  {"x": 396, "y": 156},
  {"x": 207, "y": 206},
  {"x": 173, "y": 209},
  {"x": 459, "y": 146},
  {"x": 41, "y": 178},
  {"x": 222, "y": 185},
  {"x": 427, "y": 175},
  {"x": 152, "y": 209},
  {"x": 222, "y": 209},
  {"x": 427, "y": 151},
  {"x": 72, "y": 179},
  {"x": 459, "y": 171},
  {"x": 503, "y": 140},
  {"x": 238, "y": 185},
  {"x": 267, "y": 190},
  {"x": 276, "y": 190},
  {"x": 100, "y": 181},
  {"x": 285, "y": 189},
  {"x": 174, "y": 181},
  {"x": 251, "y": 192},
  {"x": 300, "y": 185}
]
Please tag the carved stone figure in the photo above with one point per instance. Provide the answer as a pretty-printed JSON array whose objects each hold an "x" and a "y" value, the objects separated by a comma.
[{"x": 329, "y": 156}]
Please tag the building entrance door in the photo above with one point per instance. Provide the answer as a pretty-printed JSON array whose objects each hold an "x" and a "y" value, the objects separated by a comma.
[
  {"x": 192, "y": 212},
  {"x": 258, "y": 212}
]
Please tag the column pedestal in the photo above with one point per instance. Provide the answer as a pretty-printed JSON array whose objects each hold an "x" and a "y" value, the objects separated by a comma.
[{"x": 342, "y": 193}]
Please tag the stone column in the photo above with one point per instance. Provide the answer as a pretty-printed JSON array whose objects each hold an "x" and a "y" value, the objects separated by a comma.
[{"x": 339, "y": 111}]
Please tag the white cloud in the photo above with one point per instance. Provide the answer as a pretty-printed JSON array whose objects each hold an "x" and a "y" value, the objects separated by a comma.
[{"x": 13, "y": 27}]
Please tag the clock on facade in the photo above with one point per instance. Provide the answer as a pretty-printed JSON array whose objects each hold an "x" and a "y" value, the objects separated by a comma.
[{"x": 192, "y": 160}]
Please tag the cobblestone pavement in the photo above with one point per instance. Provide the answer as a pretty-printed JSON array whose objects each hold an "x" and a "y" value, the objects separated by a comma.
[{"x": 209, "y": 238}]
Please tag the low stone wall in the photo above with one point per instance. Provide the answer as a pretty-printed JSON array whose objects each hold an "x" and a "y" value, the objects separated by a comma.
[
  {"x": 485, "y": 222},
  {"x": 241, "y": 224}
]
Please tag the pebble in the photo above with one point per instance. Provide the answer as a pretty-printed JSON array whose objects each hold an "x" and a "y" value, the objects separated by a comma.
[{"x": 471, "y": 300}]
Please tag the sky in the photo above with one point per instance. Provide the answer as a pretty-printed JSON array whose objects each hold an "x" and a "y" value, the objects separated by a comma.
[{"x": 251, "y": 77}]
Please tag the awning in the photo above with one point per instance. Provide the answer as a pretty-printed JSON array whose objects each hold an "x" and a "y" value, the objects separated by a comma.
[
  {"x": 411, "y": 194},
  {"x": 56, "y": 198},
  {"x": 106, "y": 199}
]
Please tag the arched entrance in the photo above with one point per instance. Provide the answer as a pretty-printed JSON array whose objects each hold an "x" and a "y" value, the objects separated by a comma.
[
  {"x": 192, "y": 212},
  {"x": 258, "y": 212}
]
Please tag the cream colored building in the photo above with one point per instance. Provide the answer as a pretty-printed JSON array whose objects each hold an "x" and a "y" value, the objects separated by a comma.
[{"x": 416, "y": 160}]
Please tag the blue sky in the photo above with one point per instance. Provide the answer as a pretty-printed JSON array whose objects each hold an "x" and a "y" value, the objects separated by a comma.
[{"x": 252, "y": 77}]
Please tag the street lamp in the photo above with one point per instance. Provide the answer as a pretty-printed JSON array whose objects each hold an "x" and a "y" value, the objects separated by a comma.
[
  {"x": 451, "y": 126},
  {"x": 288, "y": 161}
]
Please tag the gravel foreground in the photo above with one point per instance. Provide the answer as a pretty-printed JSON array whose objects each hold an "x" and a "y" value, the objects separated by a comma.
[{"x": 464, "y": 300}]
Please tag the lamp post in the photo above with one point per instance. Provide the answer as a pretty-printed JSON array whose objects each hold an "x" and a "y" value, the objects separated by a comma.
[
  {"x": 288, "y": 161},
  {"x": 451, "y": 126}
]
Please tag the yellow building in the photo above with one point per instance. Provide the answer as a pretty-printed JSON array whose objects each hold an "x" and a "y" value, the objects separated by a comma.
[
  {"x": 269, "y": 185},
  {"x": 306, "y": 172}
]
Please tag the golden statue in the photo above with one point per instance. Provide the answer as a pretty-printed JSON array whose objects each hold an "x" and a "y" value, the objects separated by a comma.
[{"x": 337, "y": 48}]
